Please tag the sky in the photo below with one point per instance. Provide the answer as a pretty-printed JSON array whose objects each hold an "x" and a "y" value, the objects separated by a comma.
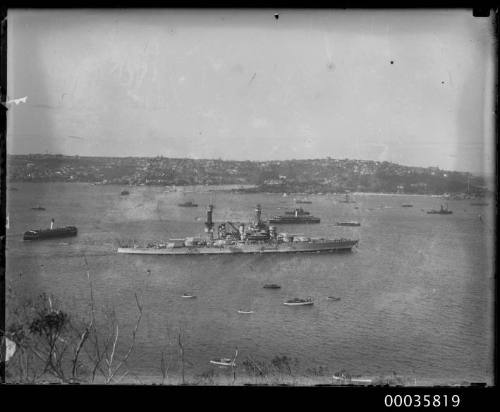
[{"x": 413, "y": 87}]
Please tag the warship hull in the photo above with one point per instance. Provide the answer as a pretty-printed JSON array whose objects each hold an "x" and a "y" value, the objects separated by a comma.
[{"x": 300, "y": 247}]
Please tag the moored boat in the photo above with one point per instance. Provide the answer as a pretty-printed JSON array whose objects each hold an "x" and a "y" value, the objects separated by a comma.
[
  {"x": 441, "y": 211},
  {"x": 53, "y": 232},
  {"x": 225, "y": 361},
  {"x": 299, "y": 302},
  {"x": 345, "y": 378},
  {"x": 271, "y": 286},
  {"x": 299, "y": 211},
  {"x": 222, "y": 362},
  {"x": 295, "y": 219},
  {"x": 188, "y": 296},
  {"x": 245, "y": 312},
  {"x": 349, "y": 223},
  {"x": 189, "y": 203}
]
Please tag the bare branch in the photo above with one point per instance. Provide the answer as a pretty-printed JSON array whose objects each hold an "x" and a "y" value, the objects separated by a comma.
[{"x": 131, "y": 347}]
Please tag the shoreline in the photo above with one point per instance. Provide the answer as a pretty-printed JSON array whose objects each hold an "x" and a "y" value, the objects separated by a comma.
[
  {"x": 248, "y": 189},
  {"x": 224, "y": 377}
]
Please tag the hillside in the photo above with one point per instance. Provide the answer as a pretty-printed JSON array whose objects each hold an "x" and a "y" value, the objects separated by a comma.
[{"x": 299, "y": 176}]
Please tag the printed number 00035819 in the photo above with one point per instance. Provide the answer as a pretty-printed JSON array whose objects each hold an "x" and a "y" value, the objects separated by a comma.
[{"x": 425, "y": 401}]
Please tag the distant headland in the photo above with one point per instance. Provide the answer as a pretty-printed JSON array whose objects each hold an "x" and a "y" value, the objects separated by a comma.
[{"x": 280, "y": 176}]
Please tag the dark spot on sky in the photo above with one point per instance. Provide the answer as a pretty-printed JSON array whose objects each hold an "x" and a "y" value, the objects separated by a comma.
[
  {"x": 253, "y": 77},
  {"x": 276, "y": 16},
  {"x": 442, "y": 82},
  {"x": 392, "y": 62}
]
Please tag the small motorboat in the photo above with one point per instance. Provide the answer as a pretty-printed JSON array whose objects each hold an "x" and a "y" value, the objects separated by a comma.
[
  {"x": 222, "y": 362},
  {"x": 349, "y": 223},
  {"x": 299, "y": 302},
  {"x": 333, "y": 298},
  {"x": 124, "y": 192},
  {"x": 189, "y": 203},
  {"x": 38, "y": 208},
  {"x": 441, "y": 211},
  {"x": 348, "y": 379},
  {"x": 271, "y": 286},
  {"x": 245, "y": 312},
  {"x": 188, "y": 296},
  {"x": 406, "y": 205}
]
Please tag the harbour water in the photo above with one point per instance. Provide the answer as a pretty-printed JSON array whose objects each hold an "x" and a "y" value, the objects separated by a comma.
[{"x": 417, "y": 294}]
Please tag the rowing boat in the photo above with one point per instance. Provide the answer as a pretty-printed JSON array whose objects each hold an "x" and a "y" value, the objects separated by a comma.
[{"x": 299, "y": 302}]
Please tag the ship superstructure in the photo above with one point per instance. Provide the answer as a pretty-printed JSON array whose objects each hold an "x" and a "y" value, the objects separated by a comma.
[{"x": 235, "y": 238}]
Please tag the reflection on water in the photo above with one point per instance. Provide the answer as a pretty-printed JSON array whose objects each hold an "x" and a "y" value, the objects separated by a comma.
[{"x": 416, "y": 295}]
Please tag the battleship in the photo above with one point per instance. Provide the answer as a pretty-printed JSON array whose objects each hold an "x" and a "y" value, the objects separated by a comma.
[{"x": 235, "y": 238}]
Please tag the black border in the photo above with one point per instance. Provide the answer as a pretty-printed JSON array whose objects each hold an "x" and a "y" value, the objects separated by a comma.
[
  {"x": 252, "y": 397},
  {"x": 481, "y": 7},
  {"x": 474, "y": 397}
]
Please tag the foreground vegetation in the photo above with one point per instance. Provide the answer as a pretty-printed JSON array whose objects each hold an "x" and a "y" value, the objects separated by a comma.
[{"x": 47, "y": 344}]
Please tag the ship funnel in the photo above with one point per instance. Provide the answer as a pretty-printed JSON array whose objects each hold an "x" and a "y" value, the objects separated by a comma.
[
  {"x": 209, "y": 224},
  {"x": 258, "y": 211},
  {"x": 242, "y": 231}
]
